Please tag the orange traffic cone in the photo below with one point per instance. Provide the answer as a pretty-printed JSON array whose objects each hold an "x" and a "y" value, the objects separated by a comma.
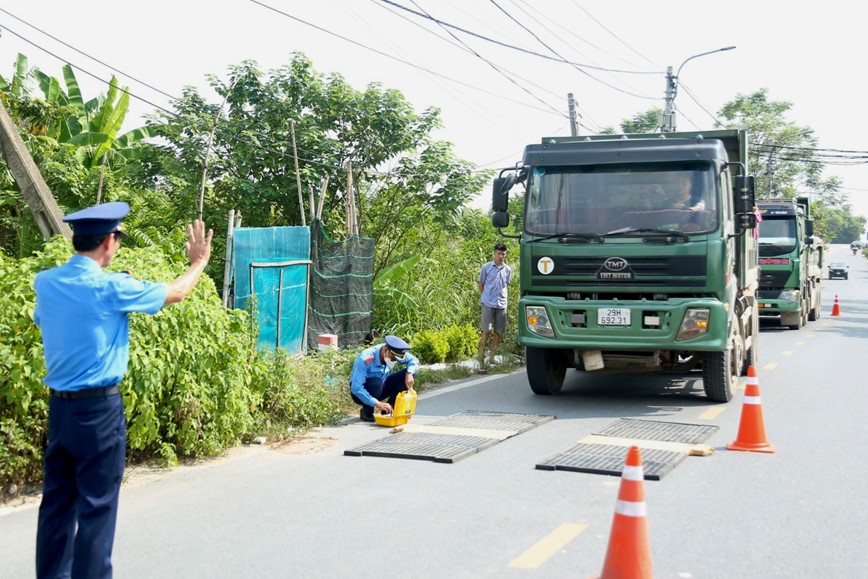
[
  {"x": 629, "y": 552},
  {"x": 836, "y": 309},
  {"x": 751, "y": 432}
]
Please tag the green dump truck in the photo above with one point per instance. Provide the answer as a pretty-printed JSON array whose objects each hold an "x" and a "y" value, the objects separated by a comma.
[
  {"x": 790, "y": 260},
  {"x": 638, "y": 254}
]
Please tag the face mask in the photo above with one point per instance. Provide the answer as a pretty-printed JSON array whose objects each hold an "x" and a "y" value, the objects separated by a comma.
[{"x": 390, "y": 362}]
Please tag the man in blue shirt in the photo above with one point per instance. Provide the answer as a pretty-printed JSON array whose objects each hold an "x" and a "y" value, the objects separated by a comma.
[
  {"x": 82, "y": 313},
  {"x": 382, "y": 372},
  {"x": 493, "y": 279}
]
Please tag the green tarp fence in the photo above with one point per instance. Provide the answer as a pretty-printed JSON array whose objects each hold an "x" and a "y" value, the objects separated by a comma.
[{"x": 341, "y": 288}]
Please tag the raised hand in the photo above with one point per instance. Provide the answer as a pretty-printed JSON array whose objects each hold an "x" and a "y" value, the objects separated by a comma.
[{"x": 198, "y": 247}]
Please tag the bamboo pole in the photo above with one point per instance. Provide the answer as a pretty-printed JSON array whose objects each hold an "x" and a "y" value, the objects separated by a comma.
[
  {"x": 101, "y": 177},
  {"x": 297, "y": 175},
  {"x": 322, "y": 193},
  {"x": 227, "y": 267},
  {"x": 205, "y": 160},
  {"x": 348, "y": 200}
]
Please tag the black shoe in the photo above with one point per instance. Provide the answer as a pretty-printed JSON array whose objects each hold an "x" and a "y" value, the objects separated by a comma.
[{"x": 366, "y": 414}]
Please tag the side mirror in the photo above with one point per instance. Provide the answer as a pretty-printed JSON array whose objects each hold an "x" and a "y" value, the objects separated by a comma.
[
  {"x": 500, "y": 192},
  {"x": 745, "y": 194},
  {"x": 500, "y": 219},
  {"x": 809, "y": 227}
]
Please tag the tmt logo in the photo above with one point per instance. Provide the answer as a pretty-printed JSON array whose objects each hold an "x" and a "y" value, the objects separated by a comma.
[
  {"x": 615, "y": 263},
  {"x": 545, "y": 265}
]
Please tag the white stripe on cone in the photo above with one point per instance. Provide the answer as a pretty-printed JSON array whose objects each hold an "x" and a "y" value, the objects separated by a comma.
[
  {"x": 632, "y": 473},
  {"x": 752, "y": 400},
  {"x": 630, "y": 508}
]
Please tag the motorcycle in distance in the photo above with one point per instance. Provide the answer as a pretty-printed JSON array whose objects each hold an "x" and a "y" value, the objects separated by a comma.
[{"x": 854, "y": 248}]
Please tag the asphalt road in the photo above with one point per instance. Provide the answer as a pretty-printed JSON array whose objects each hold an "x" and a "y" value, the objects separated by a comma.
[{"x": 307, "y": 510}]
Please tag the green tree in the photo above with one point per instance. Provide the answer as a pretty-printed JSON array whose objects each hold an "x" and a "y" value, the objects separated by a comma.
[
  {"x": 373, "y": 138},
  {"x": 836, "y": 223},
  {"x": 431, "y": 183},
  {"x": 68, "y": 139},
  {"x": 781, "y": 153},
  {"x": 94, "y": 125},
  {"x": 251, "y": 165},
  {"x": 647, "y": 122},
  {"x": 783, "y": 157}
]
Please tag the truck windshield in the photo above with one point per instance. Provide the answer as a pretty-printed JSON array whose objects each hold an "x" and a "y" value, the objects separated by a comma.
[
  {"x": 610, "y": 198},
  {"x": 776, "y": 236}
]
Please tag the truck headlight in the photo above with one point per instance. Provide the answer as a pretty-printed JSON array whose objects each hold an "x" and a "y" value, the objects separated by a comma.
[
  {"x": 790, "y": 296},
  {"x": 538, "y": 322},
  {"x": 694, "y": 324}
]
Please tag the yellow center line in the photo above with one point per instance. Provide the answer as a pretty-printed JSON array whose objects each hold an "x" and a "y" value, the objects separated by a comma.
[
  {"x": 548, "y": 546},
  {"x": 712, "y": 413},
  {"x": 770, "y": 366},
  {"x": 787, "y": 353},
  {"x": 801, "y": 343}
]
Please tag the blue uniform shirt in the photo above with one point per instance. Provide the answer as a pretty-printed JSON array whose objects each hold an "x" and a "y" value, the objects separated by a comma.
[
  {"x": 368, "y": 365},
  {"x": 82, "y": 312},
  {"x": 494, "y": 281}
]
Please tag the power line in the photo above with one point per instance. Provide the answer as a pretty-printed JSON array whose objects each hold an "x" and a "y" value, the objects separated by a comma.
[
  {"x": 530, "y": 13},
  {"x": 700, "y": 105},
  {"x": 262, "y": 138},
  {"x": 393, "y": 57},
  {"x": 506, "y": 45},
  {"x": 457, "y": 44},
  {"x": 615, "y": 36},
  {"x": 495, "y": 67},
  {"x": 199, "y": 125},
  {"x": 153, "y": 88},
  {"x": 87, "y": 72},
  {"x": 555, "y": 52}
]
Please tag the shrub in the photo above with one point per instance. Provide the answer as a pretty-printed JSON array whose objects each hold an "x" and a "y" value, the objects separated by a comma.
[
  {"x": 463, "y": 341},
  {"x": 194, "y": 382},
  {"x": 430, "y": 346},
  {"x": 304, "y": 392}
]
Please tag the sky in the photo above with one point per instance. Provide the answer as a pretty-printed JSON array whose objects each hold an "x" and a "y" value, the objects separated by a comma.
[{"x": 493, "y": 99}]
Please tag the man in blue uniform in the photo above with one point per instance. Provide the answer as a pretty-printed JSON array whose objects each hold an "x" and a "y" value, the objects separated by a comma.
[
  {"x": 377, "y": 375},
  {"x": 82, "y": 313}
]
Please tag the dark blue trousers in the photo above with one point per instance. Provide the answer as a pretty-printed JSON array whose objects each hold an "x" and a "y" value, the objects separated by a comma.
[
  {"x": 390, "y": 387},
  {"x": 84, "y": 464}
]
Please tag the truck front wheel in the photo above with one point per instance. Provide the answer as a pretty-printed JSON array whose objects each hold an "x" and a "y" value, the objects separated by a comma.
[
  {"x": 545, "y": 370},
  {"x": 719, "y": 375}
]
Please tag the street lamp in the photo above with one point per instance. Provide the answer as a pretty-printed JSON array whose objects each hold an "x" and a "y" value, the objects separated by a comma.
[{"x": 668, "y": 124}]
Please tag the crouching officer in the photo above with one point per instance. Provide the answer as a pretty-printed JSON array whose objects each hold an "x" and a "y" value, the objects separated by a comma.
[
  {"x": 82, "y": 312},
  {"x": 382, "y": 372}
]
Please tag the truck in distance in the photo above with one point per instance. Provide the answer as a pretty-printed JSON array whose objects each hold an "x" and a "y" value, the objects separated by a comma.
[{"x": 790, "y": 261}]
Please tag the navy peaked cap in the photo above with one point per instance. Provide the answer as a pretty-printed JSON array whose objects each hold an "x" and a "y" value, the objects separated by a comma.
[
  {"x": 99, "y": 219},
  {"x": 396, "y": 344}
]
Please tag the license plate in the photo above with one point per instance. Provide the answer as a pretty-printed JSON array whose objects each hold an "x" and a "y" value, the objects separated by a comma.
[{"x": 613, "y": 317}]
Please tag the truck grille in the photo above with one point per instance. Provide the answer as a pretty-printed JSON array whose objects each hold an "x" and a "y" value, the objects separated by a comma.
[
  {"x": 773, "y": 279},
  {"x": 684, "y": 271}
]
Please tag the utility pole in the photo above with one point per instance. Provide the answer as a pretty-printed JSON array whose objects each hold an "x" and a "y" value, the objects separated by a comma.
[
  {"x": 35, "y": 191},
  {"x": 574, "y": 124},
  {"x": 668, "y": 123}
]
